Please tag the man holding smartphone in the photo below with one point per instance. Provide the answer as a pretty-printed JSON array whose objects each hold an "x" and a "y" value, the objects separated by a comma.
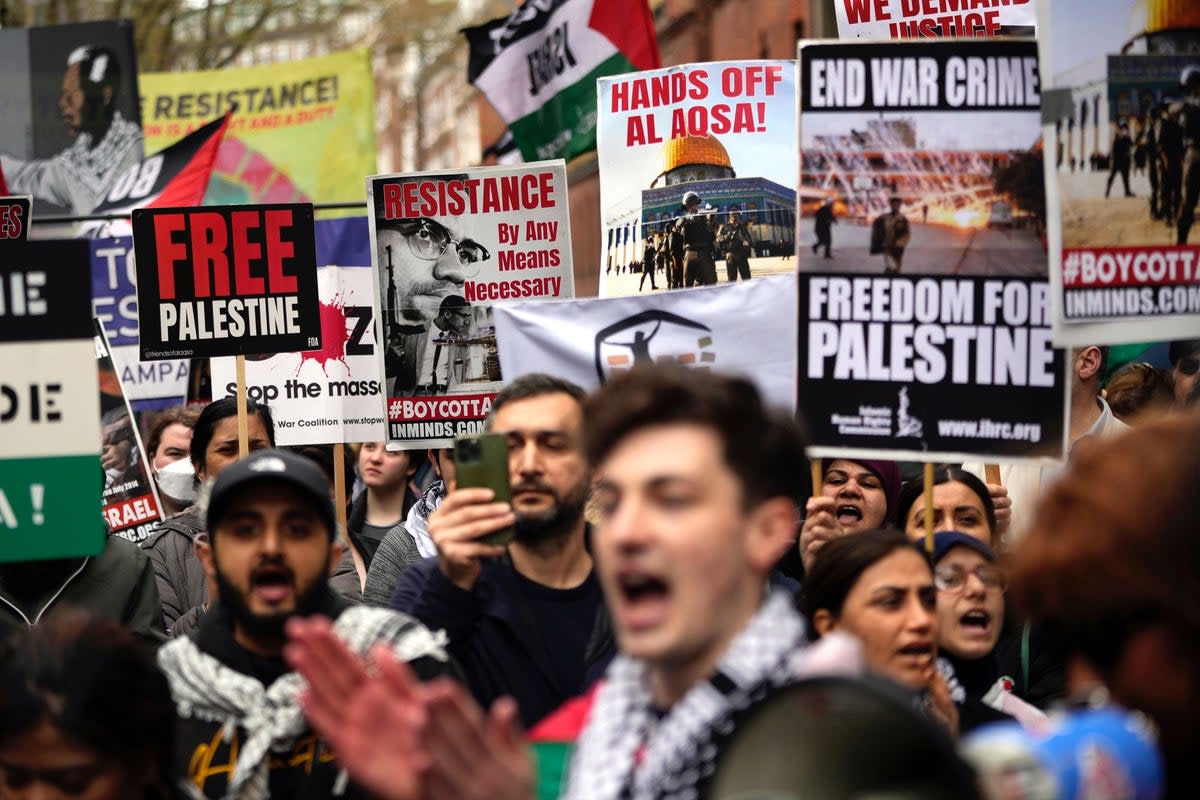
[{"x": 524, "y": 620}]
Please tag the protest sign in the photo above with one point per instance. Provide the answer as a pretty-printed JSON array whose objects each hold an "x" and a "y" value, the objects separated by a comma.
[
  {"x": 177, "y": 176},
  {"x": 911, "y": 19},
  {"x": 922, "y": 284},
  {"x": 69, "y": 118},
  {"x": 304, "y": 134},
  {"x": 147, "y": 385},
  {"x": 447, "y": 246},
  {"x": 538, "y": 67},
  {"x": 131, "y": 507},
  {"x": 726, "y": 131},
  {"x": 226, "y": 280},
  {"x": 934, "y": 368},
  {"x": 49, "y": 410},
  {"x": 947, "y": 132},
  {"x": 1123, "y": 173},
  {"x": 747, "y": 328},
  {"x": 334, "y": 394},
  {"x": 14, "y": 217}
]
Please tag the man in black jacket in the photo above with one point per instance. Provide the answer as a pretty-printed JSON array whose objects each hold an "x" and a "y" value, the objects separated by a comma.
[
  {"x": 271, "y": 545},
  {"x": 520, "y": 621}
]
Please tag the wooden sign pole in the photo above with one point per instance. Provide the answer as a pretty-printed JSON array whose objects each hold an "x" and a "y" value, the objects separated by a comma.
[
  {"x": 339, "y": 492},
  {"x": 928, "y": 495},
  {"x": 243, "y": 417}
]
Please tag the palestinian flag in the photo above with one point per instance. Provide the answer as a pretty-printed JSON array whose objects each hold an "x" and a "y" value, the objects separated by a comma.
[
  {"x": 539, "y": 67},
  {"x": 553, "y": 743},
  {"x": 177, "y": 175}
]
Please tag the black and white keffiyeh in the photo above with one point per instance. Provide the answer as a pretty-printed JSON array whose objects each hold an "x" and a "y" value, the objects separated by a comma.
[
  {"x": 206, "y": 689},
  {"x": 678, "y": 754}
]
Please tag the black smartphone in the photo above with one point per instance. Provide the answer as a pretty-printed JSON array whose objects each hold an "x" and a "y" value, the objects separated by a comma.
[{"x": 482, "y": 461}]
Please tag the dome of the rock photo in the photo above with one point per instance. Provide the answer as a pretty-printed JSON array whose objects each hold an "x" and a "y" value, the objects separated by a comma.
[{"x": 694, "y": 158}]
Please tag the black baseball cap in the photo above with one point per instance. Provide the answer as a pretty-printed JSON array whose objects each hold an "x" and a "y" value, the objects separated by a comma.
[{"x": 264, "y": 466}]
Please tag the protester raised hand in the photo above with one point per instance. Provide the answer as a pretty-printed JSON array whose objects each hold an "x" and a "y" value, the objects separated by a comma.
[
  {"x": 820, "y": 526},
  {"x": 372, "y": 721},
  {"x": 1003, "y": 505},
  {"x": 457, "y": 524},
  {"x": 474, "y": 755}
]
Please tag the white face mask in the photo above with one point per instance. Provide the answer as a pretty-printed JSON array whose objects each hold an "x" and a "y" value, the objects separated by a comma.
[{"x": 177, "y": 481}]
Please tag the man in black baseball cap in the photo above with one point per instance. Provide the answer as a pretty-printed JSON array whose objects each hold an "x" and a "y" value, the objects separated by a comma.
[{"x": 271, "y": 547}]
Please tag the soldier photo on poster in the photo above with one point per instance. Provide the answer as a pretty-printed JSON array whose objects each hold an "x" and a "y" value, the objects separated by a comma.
[
  {"x": 697, "y": 175},
  {"x": 448, "y": 245},
  {"x": 72, "y": 123},
  {"x": 1123, "y": 119},
  {"x": 921, "y": 159}
]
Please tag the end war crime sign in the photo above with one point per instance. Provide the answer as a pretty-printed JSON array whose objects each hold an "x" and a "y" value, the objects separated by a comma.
[{"x": 226, "y": 280}]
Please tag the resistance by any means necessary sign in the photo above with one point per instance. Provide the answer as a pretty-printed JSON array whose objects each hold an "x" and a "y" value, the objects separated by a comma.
[{"x": 229, "y": 280}]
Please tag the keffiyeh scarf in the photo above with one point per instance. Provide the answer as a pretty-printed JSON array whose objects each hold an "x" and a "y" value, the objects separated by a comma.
[
  {"x": 204, "y": 688},
  {"x": 625, "y": 751}
]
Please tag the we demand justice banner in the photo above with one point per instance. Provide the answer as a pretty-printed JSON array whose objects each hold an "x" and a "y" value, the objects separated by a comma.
[
  {"x": 1122, "y": 178},
  {"x": 910, "y": 19},
  {"x": 726, "y": 131},
  {"x": 226, "y": 280},
  {"x": 304, "y": 134},
  {"x": 746, "y": 328},
  {"x": 922, "y": 274},
  {"x": 334, "y": 394},
  {"x": 447, "y": 245}
]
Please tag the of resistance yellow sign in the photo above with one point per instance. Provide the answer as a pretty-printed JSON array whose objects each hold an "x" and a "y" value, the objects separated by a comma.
[{"x": 304, "y": 131}]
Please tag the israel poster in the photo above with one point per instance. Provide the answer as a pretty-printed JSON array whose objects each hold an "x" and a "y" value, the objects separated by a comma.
[
  {"x": 447, "y": 245},
  {"x": 131, "y": 507},
  {"x": 934, "y": 19},
  {"x": 70, "y": 125},
  {"x": 1123, "y": 168},
  {"x": 226, "y": 280},
  {"x": 297, "y": 135},
  {"x": 334, "y": 394},
  {"x": 697, "y": 175},
  {"x": 923, "y": 288},
  {"x": 746, "y": 328}
]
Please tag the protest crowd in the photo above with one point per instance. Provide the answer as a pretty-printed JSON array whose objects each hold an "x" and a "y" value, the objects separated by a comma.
[{"x": 430, "y": 527}]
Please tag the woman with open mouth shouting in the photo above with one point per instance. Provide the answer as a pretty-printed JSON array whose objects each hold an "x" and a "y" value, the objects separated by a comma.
[
  {"x": 855, "y": 496},
  {"x": 970, "y": 611},
  {"x": 879, "y": 587}
]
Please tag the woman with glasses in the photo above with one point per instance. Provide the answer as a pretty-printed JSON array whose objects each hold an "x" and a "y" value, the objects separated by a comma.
[{"x": 970, "y": 613}]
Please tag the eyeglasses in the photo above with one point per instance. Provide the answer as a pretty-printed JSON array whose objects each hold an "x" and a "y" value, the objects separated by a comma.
[
  {"x": 952, "y": 577},
  {"x": 428, "y": 240},
  {"x": 1188, "y": 366}
]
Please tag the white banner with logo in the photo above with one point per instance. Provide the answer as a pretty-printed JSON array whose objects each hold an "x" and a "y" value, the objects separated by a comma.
[
  {"x": 746, "y": 328},
  {"x": 329, "y": 395}
]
